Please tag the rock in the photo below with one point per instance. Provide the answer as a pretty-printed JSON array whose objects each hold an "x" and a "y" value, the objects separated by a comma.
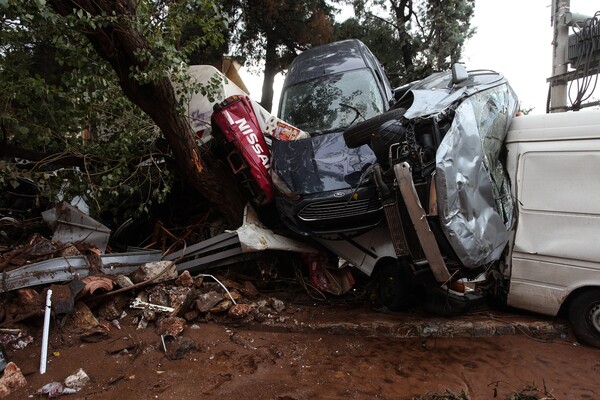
[
  {"x": 71, "y": 251},
  {"x": 206, "y": 301},
  {"x": 249, "y": 289},
  {"x": 149, "y": 315},
  {"x": 262, "y": 303},
  {"x": 78, "y": 380},
  {"x": 185, "y": 279},
  {"x": 277, "y": 304},
  {"x": 159, "y": 295},
  {"x": 222, "y": 306},
  {"x": 182, "y": 299},
  {"x": 179, "y": 296},
  {"x": 191, "y": 315},
  {"x": 152, "y": 270},
  {"x": 239, "y": 310},
  {"x": 12, "y": 380},
  {"x": 180, "y": 347},
  {"x": 232, "y": 295},
  {"x": 62, "y": 299},
  {"x": 113, "y": 308},
  {"x": 170, "y": 326},
  {"x": 198, "y": 281},
  {"x": 123, "y": 281},
  {"x": 82, "y": 319}
]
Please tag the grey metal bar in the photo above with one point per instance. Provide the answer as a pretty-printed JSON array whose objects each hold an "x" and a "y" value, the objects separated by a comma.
[
  {"x": 214, "y": 243},
  {"x": 214, "y": 260},
  {"x": 419, "y": 220},
  {"x": 68, "y": 268}
]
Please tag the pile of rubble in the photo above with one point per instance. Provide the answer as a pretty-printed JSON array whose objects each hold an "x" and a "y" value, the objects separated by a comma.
[{"x": 154, "y": 296}]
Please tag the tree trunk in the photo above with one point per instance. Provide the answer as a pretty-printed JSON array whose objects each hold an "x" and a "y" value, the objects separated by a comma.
[
  {"x": 118, "y": 44},
  {"x": 270, "y": 71}
]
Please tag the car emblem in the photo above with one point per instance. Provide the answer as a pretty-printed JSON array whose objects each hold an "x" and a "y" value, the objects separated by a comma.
[{"x": 339, "y": 194}]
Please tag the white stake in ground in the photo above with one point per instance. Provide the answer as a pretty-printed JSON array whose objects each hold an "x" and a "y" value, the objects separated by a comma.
[{"x": 45, "y": 332}]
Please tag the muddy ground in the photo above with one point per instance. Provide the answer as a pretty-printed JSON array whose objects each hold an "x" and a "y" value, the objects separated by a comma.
[{"x": 235, "y": 360}]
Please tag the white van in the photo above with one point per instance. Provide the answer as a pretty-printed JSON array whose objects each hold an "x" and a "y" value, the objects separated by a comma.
[{"x": 554, "y": 260}]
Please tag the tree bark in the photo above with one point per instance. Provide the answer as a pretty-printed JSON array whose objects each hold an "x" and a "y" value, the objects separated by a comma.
[
  {"x": 271, "y": 69},
  {"x": 118, "y": 44}
]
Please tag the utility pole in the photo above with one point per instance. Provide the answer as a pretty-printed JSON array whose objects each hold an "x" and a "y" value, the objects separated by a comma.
[{"x": 558, "y": 87}]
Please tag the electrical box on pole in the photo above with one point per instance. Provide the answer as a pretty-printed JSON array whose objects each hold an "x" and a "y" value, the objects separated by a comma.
[{"x": 580, "y": 51}]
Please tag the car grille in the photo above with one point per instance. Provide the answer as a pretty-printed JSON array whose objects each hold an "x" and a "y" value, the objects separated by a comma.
[{"x": 339, "y": 209}]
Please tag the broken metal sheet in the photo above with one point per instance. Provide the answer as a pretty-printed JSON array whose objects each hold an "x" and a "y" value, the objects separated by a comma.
[
  {"x": 216, "y": 243},
  {"x": 253, "y": 236},
  {"x": 419, "y": 220},
  {"x": 218, "y": 251},
  {"x": 69, "y": 268},
  {"x": 474, "y": 202},
  {"x": 70, "y": 225}
]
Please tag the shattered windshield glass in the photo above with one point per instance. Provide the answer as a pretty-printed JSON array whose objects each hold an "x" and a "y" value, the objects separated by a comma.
[{"x": 332, "y": 102}]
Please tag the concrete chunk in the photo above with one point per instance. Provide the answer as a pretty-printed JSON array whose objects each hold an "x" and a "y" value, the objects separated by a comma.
[
  {"x": 151, "y": 270},
  {"x": 12, "y": 380}
]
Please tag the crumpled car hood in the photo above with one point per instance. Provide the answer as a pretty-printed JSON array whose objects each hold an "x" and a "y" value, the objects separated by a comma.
[
  {"x": 435, "y": 93},
  {"x": 474, "y": 202},
  {"x": 320, "y": 164}
]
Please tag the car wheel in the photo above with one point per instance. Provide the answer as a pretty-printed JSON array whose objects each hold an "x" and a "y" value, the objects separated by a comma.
[
  {"x": 393, "y": 290},
  {"x": 360, "y": 134},
  {"x": 584, "y": 315}
]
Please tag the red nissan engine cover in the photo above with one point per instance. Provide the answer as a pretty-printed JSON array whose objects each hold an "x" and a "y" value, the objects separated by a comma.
[{"x": 235, "y": 118}]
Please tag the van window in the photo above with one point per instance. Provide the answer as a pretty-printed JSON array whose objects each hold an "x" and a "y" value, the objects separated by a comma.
[{"x": 332, "y": 102}]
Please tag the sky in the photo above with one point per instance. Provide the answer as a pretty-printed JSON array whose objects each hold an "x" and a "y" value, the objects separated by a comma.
[{"x": 513, "y": 37}]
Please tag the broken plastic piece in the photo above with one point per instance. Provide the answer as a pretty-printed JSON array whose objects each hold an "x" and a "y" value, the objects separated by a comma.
[{"x": 142, "y": 305}]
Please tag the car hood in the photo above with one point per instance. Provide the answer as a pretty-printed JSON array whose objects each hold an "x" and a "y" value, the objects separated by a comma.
[
  {"x": 320, "y": 163},
  {"x": 436, "y": 93}
]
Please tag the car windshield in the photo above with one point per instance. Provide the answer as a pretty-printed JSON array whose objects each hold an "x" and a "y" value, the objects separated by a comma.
[{"x": 332, "y": 102}]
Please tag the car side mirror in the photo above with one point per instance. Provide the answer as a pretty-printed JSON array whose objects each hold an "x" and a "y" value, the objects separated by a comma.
[{"x": 459, "y": 73}]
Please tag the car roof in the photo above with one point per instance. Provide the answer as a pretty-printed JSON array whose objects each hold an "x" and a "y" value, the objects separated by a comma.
[{"x": 327, "y": 59}]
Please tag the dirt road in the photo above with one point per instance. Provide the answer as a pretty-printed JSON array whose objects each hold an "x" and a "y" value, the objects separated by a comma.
[{"x": 232, "y": 362}]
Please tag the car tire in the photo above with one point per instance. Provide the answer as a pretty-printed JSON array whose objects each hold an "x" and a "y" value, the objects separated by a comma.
[
  {"x": 360, "y": 134},
  {"x": 584, "y": 315},
  {"x": 393, "y": 289}
]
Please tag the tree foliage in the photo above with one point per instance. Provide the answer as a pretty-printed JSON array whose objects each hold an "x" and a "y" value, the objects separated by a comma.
[
  {"x": 274, "y": 31},
  {"x": 412, "y": 38},
  {"x": 86, "y": 92}
]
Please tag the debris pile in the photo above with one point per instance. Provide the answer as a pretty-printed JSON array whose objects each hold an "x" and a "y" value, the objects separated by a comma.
[{"x": 154, "y": 296}]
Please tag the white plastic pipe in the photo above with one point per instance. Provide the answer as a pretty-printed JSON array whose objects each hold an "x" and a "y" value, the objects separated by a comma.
[{"x": 45, "y": 332}]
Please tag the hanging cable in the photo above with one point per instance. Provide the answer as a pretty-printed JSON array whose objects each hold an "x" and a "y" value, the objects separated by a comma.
[{"x": 588, "y": 41}]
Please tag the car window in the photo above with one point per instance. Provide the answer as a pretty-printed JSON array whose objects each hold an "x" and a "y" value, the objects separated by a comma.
[{"x": 332, "y": 102}]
